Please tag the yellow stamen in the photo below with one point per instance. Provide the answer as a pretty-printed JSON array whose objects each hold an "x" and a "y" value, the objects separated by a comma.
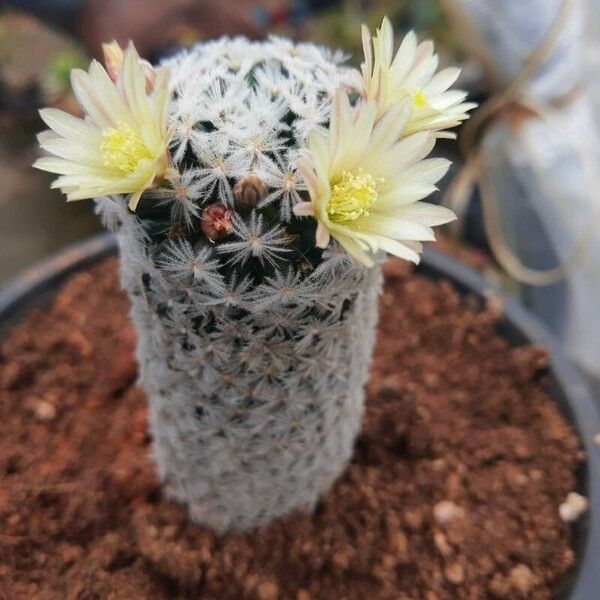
[
  {"x": 419, "y": 99},
  {"x": 352, "y": 196},
  {"x": 123, "y": 148}
]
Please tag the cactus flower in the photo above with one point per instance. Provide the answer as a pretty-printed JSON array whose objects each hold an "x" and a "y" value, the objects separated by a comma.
[
  {"x": 121, "y": 146},
  {"x": 365, "y": 182},
  {"x": 411, "y": 73}
]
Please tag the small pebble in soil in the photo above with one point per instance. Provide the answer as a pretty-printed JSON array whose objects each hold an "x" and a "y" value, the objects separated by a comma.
[
  {"x": 446, "y": 510},
  {"x": 413, "y": 519},
  {"x": 267, "y": 590},
  {"x": 441, "y": 543},
  {"x": 522, "y": 579},
  {"x": 573, "y": 507},
  {"x": 44, "y": 411},
  {"x": 455, "y": 573},
  {"x": 399, "y": 546}
]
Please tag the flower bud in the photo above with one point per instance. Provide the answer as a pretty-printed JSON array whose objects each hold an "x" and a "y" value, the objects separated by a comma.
[
  {"x": 113, "y": 61},
  {"x": 215, "y": 221},
  {"x": 249, "y": 190},
  {"x": 177, "y": 230}
]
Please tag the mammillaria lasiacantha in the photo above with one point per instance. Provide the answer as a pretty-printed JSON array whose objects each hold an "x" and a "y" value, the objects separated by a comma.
[{"x": 250, "y": 248}]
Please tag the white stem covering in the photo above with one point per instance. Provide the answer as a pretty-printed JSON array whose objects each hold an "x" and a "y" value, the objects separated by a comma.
[{"x": 251, "y": 417}]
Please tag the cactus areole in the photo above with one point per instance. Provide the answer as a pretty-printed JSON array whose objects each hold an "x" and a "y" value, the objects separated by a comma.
[{"x": 254, "y": 188}]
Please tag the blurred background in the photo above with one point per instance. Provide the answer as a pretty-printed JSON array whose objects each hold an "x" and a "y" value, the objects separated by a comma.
[{"x": 533, "y": 65}]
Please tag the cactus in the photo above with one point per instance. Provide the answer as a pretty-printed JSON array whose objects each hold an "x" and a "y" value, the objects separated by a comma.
[
  {"x": 253, "y": 350},
  {"x": 255, "y": 323}
]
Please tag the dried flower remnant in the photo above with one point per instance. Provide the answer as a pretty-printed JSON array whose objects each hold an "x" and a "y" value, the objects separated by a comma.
[
  {"x": 215, "y": 221},
  {"x": 249, "y": 191}
]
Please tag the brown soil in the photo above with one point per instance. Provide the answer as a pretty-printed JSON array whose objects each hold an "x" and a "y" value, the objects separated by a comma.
[{"x": 453, "y": 492}]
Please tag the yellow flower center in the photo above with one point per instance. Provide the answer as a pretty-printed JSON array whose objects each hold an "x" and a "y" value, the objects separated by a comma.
[
  {"x": 352, "y": 196},
  {"x": 419, "y": 99},
  {"x": 123, "y": 148}
]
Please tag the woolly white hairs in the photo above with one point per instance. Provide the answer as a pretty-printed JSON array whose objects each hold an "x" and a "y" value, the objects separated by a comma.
[
  {"x": 253, "y": 350},
  {"x": 240, "y": 106}
]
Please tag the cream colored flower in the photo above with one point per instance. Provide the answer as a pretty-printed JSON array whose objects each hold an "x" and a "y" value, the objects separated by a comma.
[
  {"x": 388, "y": 79},
  {"x": 121, "y": 145},
  {"x": 366, "y": 183}
]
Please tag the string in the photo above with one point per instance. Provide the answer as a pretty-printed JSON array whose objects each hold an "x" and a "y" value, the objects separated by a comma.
[{"x": 473, "y": 174}]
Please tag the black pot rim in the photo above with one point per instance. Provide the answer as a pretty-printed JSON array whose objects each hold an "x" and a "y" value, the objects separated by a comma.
[{"x": 517, "y": 325}]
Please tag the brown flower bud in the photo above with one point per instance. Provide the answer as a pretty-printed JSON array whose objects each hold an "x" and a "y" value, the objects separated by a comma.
[
  {"x": 249, "y": 190},
  {"x": 215, "y": 221},
  {"x": 177, "y": 230},
  {"x": 305, "y": 267}
]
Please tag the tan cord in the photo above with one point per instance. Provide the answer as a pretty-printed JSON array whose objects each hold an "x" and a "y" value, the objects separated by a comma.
[{"x": 472, "y": 173}]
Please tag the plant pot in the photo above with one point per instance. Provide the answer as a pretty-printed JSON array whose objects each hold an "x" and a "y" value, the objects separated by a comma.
[{"x": 567, "y": 387}]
